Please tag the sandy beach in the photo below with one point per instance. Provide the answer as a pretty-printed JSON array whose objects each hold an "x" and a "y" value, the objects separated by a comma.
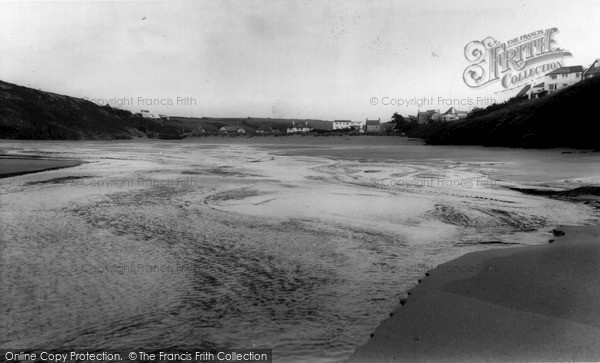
[
  {"x": 535, "y": 303},
  {"x": 301, "y": 245}
]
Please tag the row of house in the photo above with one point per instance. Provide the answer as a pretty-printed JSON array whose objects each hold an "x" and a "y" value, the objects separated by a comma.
[
  {"x": 552, "y": 82},
  {"x": 263, "y": 129},
  {"x": 296, "y": 127},
  {"x": 369, "y": 125},
  {"x": 559, "y": 79},
  {"x": 303, "y": 127},
  {"x": 232, "y": 130}
]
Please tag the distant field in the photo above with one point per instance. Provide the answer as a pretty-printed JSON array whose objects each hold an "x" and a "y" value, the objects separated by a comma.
[
  {"x": 308, "y": 140},
  {"x": 250, "y": 124},
  {"x": 11, "y": 166}
]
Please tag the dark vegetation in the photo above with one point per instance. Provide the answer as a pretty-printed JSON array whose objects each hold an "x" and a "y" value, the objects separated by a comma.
[
  {"x": 566, "y": 118},
  {"x": 26, "y": 113}
]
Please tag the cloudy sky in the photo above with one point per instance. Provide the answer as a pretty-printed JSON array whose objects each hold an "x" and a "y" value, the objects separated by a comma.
[{"x": 293, "y": 59}]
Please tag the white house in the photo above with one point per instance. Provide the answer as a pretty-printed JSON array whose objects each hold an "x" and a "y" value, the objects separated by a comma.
[
  {"x": 342, "y": 124},
  {"x": 147, "y": 114},
  {"x": 552, "y": 82},
  {"x": 356, "y": 125},
  {"x": 295, "y": 128},
  {"x": 563, "y": 78},
  {"x": 534, "y": 91}
]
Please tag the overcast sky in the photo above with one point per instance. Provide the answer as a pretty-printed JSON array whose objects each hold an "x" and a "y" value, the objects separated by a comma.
[{"x": 292, "y": 59}]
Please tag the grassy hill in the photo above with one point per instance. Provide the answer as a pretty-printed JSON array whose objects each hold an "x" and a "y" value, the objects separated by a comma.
[
  {"x": 567, "y": 118},
  {"x": 27, "y": 113}
]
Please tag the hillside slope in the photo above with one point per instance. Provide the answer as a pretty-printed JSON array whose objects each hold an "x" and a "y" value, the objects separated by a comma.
[
  {"x": 567, "y": 118},
  {"x": 26, "y": 113}
]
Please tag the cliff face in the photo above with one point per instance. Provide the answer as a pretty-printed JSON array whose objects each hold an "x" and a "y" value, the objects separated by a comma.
[
  {"x": 26, "y": 113},
  {"x": 568, "y": 118}
]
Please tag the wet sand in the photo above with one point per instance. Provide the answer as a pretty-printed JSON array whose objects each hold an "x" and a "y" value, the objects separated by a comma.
[
  {"x": 195, "y": 243},
  {"x": 534, "y": 303},
  {"x": 14, "y": 166}
]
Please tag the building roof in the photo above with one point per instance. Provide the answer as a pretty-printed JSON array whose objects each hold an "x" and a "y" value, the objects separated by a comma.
[
  {"x": 566, "y": 70},
  {"x": 230, "y": 128},
  {"x": 265, "y": 128},
  {"x": 299, "y": 124},
  {"x": 372, "y": 122},
  {"x": 426, "y": 113},
  {"x": 451, "y": 110},
  {"x": 594, "y": 68},
  {"x": 342, "y": 121},
  {"x": 523, "y": 91}
]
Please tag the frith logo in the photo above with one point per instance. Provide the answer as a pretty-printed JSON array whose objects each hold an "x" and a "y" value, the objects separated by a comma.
[{"x": 513, "y": 62}]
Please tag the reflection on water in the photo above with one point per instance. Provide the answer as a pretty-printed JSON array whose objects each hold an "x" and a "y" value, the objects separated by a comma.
[{"x": 302, "y": 255}]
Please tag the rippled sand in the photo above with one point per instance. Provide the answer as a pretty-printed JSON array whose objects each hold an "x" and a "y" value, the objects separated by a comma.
[{"x": 182, "y": 244}]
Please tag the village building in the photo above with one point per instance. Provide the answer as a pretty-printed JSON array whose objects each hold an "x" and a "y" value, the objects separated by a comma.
[
  {"x": 299, "y": 127},
  {"x": 341, "y": 124},
  {"x": 198, "y": 131},
  {"x": 552, "y": 82},
  {"x": 532, "y": 91},
  {"x": 356, "y": 125},
  {"x": 426, "y": 116},
  {"x": 265, "y": 129},
  {"x": 453, "y": 114},
  {"x": 373, "y": 125},
  {"x": 592, "y": 71},
  {"x": 232, "y": 130},
  {"x": 387, "y": 127},
  {"x": 147, "y": 114},
  {"x": 563, "y": 78}
]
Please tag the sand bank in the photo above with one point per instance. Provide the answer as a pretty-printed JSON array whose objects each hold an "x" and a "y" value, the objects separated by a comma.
[
  {"x": 13, "y": 166},
  {"x": 534, "y": 303}
]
